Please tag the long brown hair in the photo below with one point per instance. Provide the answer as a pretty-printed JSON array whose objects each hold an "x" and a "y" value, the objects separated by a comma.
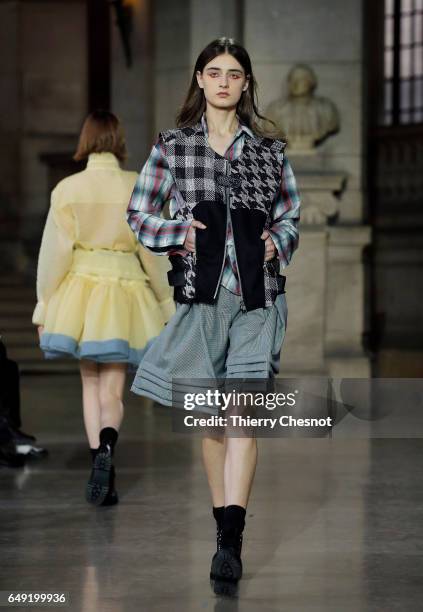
[
  {"x": 101, "y": 132},
  {"x": 247, "y": 107}
]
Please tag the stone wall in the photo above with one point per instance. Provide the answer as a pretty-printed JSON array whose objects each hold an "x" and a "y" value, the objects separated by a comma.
[{"x": 44, "y": 96}]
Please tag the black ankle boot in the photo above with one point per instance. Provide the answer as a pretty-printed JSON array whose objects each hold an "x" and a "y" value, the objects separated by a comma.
[
  {"x": 236, "y": 544},
  {"x": 111, "y": 498},
  {"x": 219, "y": 515},
  {"x": 226, "y": 563},
  {"x": 98, "y": 485},
  {"x": 232, "y": 540},
  {"x": 219, "y": 534},
  {"x": 109, "y": 436}
]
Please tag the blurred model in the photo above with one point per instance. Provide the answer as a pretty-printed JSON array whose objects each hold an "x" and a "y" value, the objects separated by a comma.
[{"x": 102, "y": 298}]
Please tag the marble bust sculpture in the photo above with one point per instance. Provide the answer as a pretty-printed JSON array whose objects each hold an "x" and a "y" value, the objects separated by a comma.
[{"x": 304, "y": 118}]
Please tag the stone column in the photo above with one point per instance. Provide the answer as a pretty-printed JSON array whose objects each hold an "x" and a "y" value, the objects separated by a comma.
[
  {"x": 43, "y": 100},
  {"x": 325, "y": 286},
  {"x": 345, "y": 302},
  {"x": 133, "y": 87}
]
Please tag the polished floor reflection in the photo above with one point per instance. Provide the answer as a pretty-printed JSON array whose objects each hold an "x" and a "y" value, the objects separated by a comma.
[{"x": 333, "y": 525}]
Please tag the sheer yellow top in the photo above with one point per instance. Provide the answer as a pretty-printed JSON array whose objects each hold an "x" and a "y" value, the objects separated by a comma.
[{"x": 88, "y": 211}]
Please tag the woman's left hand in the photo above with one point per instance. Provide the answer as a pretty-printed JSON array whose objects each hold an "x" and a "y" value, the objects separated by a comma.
[{"x": 270, "y": 249}]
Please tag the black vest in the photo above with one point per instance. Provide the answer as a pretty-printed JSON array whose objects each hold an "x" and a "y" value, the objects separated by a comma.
[{"x": 213, "y": 187}]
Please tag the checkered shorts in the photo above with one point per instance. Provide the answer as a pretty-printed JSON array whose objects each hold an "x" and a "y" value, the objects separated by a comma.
[{"x": 213, "y": 341}]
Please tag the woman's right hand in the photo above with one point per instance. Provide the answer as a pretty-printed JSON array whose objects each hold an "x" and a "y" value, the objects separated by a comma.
[
  {"x": 189, "y": 243},
  {"x": 40, "y": 331}
]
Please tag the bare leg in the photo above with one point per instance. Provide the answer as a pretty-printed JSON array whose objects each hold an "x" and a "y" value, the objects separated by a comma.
[
  {"x": 100, "y": 489},
  {"x": 230, "y": 465},
  {"x": 112, "y": 382},
  {"x": 91, "y": 400},
  {"x": 240, "y": 467},
  {"x": 214, "y": 461}
]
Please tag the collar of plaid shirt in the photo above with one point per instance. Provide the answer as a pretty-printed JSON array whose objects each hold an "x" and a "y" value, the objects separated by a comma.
[{"x": 242, "y": 128}]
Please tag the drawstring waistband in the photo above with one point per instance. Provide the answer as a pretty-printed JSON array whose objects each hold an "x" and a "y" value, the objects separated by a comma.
[{"x": 108, "y": 263}]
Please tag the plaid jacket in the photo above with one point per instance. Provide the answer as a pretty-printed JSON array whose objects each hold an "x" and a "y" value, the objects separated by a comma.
[{"x": 249, "y": 189}]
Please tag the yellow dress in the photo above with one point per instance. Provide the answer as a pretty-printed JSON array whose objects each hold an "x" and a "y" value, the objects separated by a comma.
[{"x": 101, "y": 295}]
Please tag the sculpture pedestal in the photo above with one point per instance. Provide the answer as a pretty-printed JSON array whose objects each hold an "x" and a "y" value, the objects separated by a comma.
[
  {"x": 325, "y": 287},
  {"x": 345, "y": 302}
]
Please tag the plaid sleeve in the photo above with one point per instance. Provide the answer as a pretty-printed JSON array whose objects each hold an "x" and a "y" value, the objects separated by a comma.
[
  {"x": 286, "y": 216},
  {"x": 152, "y": 189}
]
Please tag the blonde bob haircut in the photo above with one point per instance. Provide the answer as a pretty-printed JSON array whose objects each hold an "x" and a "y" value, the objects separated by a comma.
[{"x": 101, "y": 132}]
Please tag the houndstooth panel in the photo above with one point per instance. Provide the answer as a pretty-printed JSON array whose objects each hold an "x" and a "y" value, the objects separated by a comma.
[{"x": 256, "y": 174}]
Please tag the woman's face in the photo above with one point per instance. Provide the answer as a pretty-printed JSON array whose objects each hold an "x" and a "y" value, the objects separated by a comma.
[{"x": 223, "y": 80}]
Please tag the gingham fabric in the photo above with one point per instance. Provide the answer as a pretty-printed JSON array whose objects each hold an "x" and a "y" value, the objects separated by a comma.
[{"x": 204, "y": 343}]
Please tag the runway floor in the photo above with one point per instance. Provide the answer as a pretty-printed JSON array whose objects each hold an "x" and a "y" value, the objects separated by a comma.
[{"x": 332, "y": 525}]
